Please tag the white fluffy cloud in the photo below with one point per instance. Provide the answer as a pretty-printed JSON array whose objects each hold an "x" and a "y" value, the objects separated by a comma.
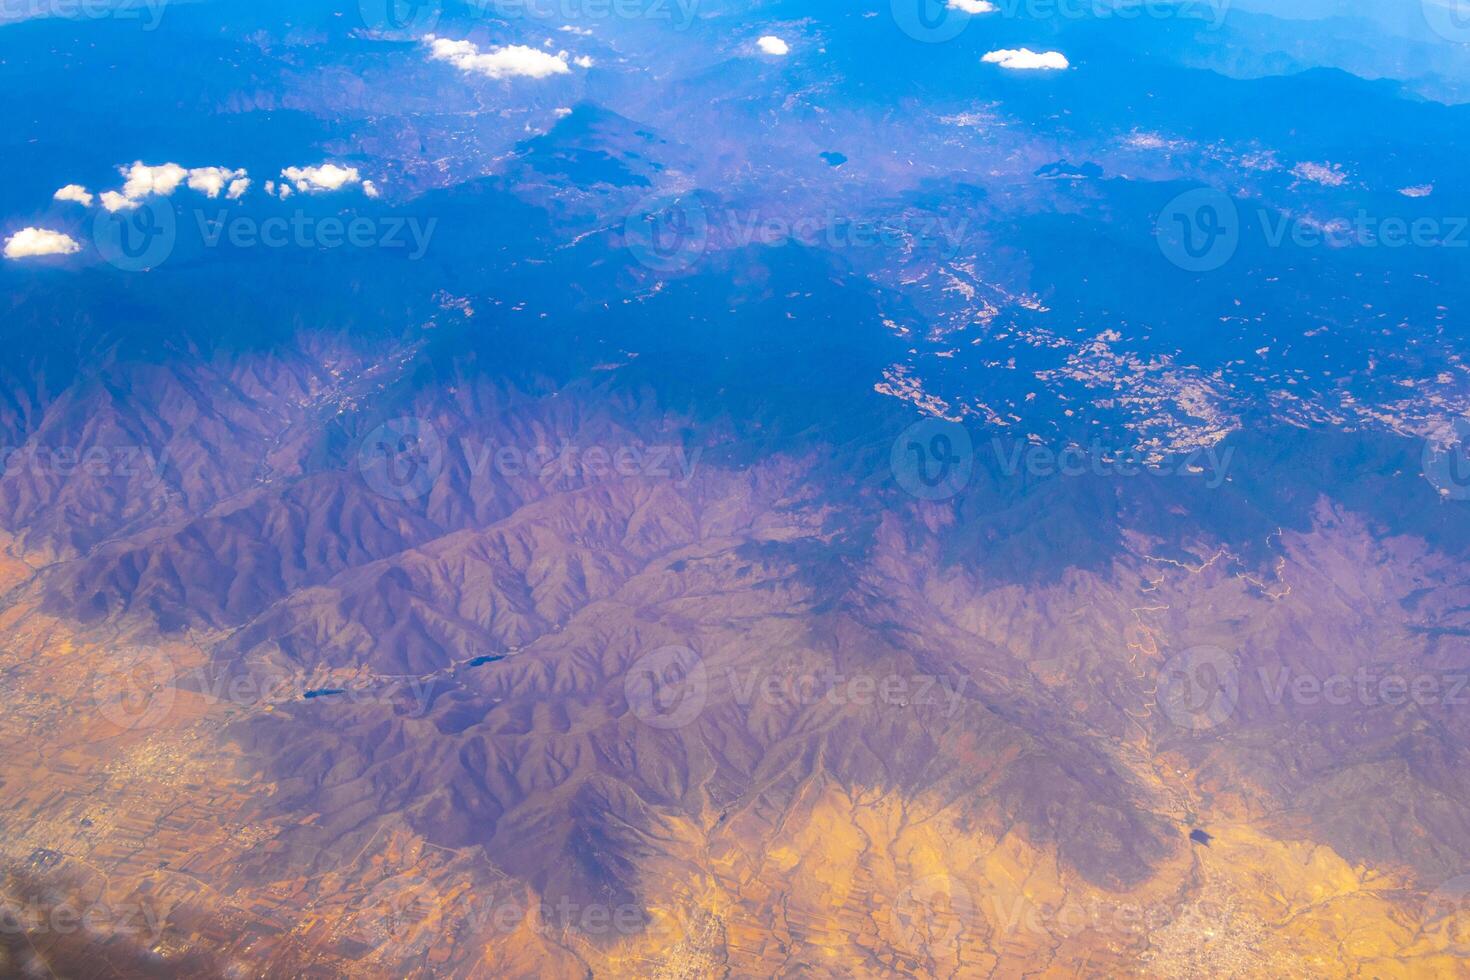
[
  {"x": 1024, "y": 59},
  {"x": 39, "y": 241},
  {"x": 143, "y": 181},
  {"x": 212, "y": 181},
  {"x": 327, "y": 177},
  {"x": 511, "y": 61},
  {"x": 973, "y": 6},
  {"x": 770, "y": 44},
  {"x": 113, "y": 201},
  {"x": 75, "y": 192}
]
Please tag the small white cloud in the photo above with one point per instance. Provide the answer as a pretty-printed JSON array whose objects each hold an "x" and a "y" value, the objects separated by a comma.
[
  {"x": 143, "y": 180},
  {"x": 211, "y": 181},
  {"x": 1418, "y": 190},
  {"x": 113, "y": 201},
  {"x": 1024, "y": 59},
  {"x": 369, "y": 188},
  {"x": 583, "y": 62},
  {"x": 562, "y": 112},
  {"x": 770, "y": 44},
  {"x": 75, "y": 192},
  {"x": 238, "y": 187},
  {"x": 327, "y": 177},
  {"x": 39, "y": 241},
  {"x": 511, "y": 61},
  {"x": 973, "y": 6}
]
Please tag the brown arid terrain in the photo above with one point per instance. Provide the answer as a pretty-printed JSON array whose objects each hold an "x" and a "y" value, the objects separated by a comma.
[{"x": 713, "y": 713}]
